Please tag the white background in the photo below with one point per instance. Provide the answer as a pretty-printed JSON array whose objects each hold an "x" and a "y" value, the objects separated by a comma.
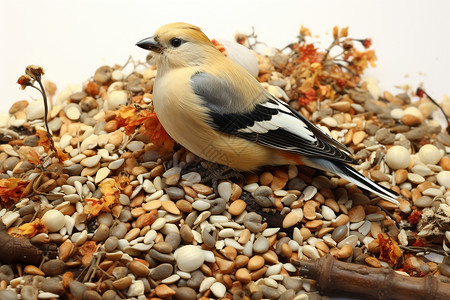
[{"x": 71, "y": 39}]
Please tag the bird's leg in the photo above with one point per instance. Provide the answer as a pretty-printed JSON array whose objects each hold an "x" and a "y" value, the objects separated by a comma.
[{"x": 212, "y": 172}]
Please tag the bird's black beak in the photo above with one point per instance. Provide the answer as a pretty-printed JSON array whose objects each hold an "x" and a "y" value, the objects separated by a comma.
[{"x": 150, "y": 44}]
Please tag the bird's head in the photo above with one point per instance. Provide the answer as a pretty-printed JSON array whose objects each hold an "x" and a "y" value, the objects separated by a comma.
[{"x": 178, "y": 45}]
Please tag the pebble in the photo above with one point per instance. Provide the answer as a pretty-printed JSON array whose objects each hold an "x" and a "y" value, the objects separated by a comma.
[
  {"x": 218, "y": 289},
  {"x": 184, "y": 293},
  {"x": 224, "y": 190},
  {"x": 339, "y": 233},
  {"x": 189, "y": 258},
  {"x": 261, "y": 244},
  {"x": 53, "y": 220},
  {"x": 397, "y": 157},
  {"x": 443, "y": 179}
]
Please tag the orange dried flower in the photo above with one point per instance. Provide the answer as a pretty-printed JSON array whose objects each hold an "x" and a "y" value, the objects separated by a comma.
[
  {"x": 24, "y": 81},
  {"x": 390, "y": 252},
  {"x": 304, "y": 31},
  {"x": 44, "y": 139},
  {"x": 12, "y": 190},
  {"x": 309, "y": 53},
  {"x": 33, "y": 228},
  {"x": 131, "y": 119}
]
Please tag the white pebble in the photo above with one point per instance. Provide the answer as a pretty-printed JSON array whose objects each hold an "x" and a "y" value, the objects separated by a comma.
[
  {"x": 397, "y": 113},
  {"x": 35, "y": 110},
  {"x": 102, "y": 173},
  {"x": 218, "y": 289},
  {"x": 310, "y": 251},
  {"x": 206, "y": 284},
  {"x": 444, "y": 178},
  {"x": 9, "y": 219},
  {"x": 158, "y": 224},
  {"x": 328, "y": 213},
  {"x": 350, "y": 240},
  {"x": 171, "y": 279},
  {"x": 430, "y": 154},
  {"x": 189, "y": 258},
  {"x": 398, "y": 157},
  {"x": 136, "y": 288},
  {"x": 224, "y": 189},
  {"x": 116, "y": 99},
  {"x": 114, "y": 165},
  {"x": 274, "y": 269},
  {"x": 309, "y": 192},
  {"x": 201, "y": 205},
  {"x": 330, "y": 122},
  {"x": 89, "y": 143},
  {"x": 415, "y": 178},
  {"x": 414, "y": 111},
  {"x": 251, "y": 187},
  {"x": 53, "y": 220},
  {"x": 135, "y": 146}
]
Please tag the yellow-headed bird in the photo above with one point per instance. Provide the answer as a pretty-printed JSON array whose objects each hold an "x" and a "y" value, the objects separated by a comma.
[{"x": 217, "y": 110}]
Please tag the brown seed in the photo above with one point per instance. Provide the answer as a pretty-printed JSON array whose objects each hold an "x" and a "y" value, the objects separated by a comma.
[
  {"x": 356, "y": 214},
  {"x": 229, "y": 252},
  {"x": 33, "y": 270},
  {"x": 173, "y": 179},
  {"x": 410, "y": 120},
  {"x": 259, "y": 273},
  {"x": 236, "y": 192},
  {"x": 132, "y": 234},
  {"x": 314, "y": 225},
  {"x": 445, "y": 163},
  {"x": 122, "y": 283},
  {"x": 157, "y": 171},
  {"x": 202, "y": 189},
  {"x": 345, "y": 251},
  {"x": 331, "y": 203},
  {"x": 151, "y": 205},
  {"x": 340, "y": 220},
  {"x": 138, "y": 269},
  {"x": 373, "y": 262},
  {"x": 170, "y": 207},
  {"x": 146, "y": 219},
  {"x": 279, "y": 182},
  {"x": 309, "y": 209},
  {"x": 256, "y": 263},
  {"x": 266, "y": 178},
  {"x": 286, "y": 250},
  {"x": 400, "y": 176},
  {"x": 225, "y": 266},
  {"x": 241, "y": 261},
  {"x": 358, "y": 137},
  {"x": 342, "y": 106},
  {"x": 291, "y": 219},
  {"x": 164, "y": 291},
  {"x": 66, "y": 249},
  {"x": 243, "y": 275},
  {"x": 237, "y": 207},
  {"x": 184, "y": 206}
]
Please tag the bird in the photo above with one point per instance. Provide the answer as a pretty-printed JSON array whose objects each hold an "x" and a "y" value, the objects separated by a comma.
[{"x": 217, "y": 110}]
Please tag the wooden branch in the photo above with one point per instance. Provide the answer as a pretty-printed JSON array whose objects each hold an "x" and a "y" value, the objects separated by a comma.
[
  {"x": 17, "y": 250},
  {"x": 334, "y": 276}
]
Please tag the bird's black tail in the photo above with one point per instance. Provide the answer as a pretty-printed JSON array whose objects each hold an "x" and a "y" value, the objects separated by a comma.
[{"x": 350, "y": 174}]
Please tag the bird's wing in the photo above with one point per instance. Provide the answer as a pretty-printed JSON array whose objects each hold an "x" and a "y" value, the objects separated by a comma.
[{"x": 271, "y": 123}]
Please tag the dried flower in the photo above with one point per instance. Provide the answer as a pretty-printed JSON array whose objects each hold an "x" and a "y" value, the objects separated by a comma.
[
  {"x": 34, "y": 71},
  {"x": 25, "y": 81}
]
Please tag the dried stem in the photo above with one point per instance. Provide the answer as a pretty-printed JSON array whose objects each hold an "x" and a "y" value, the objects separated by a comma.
[{"x": 372, "y": 283}]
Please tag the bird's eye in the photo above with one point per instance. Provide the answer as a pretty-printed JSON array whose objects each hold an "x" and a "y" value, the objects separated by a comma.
[{"x": 176, "y": 42}]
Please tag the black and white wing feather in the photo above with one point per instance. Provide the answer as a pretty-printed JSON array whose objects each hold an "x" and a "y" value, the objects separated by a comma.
[{"x": 271, "y": 123}]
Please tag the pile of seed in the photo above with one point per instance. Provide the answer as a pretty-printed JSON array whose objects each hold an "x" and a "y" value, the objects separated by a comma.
[{"x": 172, "y": 236}]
